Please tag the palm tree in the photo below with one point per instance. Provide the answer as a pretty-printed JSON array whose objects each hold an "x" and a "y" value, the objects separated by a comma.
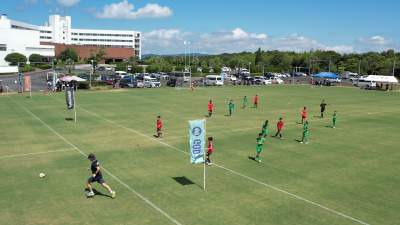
[
  {"x": 69, "y": 65},
  {"x": 126, "y": 61},
  {"x": 195, "y": 60},
  {"x": 178, "y": 59}
]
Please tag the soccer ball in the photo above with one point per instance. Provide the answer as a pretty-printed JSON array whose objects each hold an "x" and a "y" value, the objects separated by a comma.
[{"x": 41, "y": 175}]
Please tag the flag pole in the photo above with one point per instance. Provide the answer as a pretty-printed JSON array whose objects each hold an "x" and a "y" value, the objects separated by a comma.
[
  {"x": 30, "y": 86},
  {"x": 205, "y": 136}
]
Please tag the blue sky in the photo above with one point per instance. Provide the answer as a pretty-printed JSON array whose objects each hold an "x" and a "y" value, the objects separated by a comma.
[{"x": 231, "y": 26}]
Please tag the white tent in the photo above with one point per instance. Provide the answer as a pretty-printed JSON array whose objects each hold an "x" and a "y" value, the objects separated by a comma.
[
  {"x": 73, "y": 78},
  {"x": 8, "y": 69},
  {"x": 381, "y": 78}
]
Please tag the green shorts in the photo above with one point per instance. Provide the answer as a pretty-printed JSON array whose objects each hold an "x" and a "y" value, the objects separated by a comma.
[
  {"x": 334, "y": 120},
  {"x": 264, "y": 132},
  {"x": 230, "y": 109},
  {"x": 259, "y": 149},
  {"x": 244, "y": 103},
  {"x": 305, "y": 134}
]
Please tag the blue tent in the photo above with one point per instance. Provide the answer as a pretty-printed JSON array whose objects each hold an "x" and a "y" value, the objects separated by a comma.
[{"x": 327, "y": 75}]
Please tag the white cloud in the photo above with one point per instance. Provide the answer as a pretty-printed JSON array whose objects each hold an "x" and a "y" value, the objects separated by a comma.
[
  {"x": 48, "y": 2},
  {"x": 222, "y": 41},
  {"x": 376, "y": 40},
  {"x": 30, "y": 1},
  {"x": 124, "y": 10},
  {"x": 68, "y": 3},
  {"x": 91, "y": 9}
]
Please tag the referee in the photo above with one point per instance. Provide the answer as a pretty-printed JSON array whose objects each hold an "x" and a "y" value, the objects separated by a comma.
[{"x": 322, "y": 107}]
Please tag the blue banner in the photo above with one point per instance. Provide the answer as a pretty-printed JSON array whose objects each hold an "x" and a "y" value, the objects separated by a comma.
[
  {"x": 197, "y": 132},
  {"x": 222, "y": 77}
]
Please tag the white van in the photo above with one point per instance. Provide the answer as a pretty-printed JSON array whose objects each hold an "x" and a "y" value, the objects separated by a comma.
[
  {"x": 121, "y": 74},
  {"x": 213, "y": 80},
  {"x": 363, "y": 83}
]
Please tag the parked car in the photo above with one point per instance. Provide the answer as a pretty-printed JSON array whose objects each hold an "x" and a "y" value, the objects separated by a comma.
[
  {"x": 172, "y": 82},
  {"x": 126, "y": 82},
  {"x": 110, "y": 81},
  {"x": 261, "y": 80},
  {"x": 276, "y": 80},
  {"x": 83, "y": 75},
  {"x": 363, "y": 83},
  {"x": 334, "y": 80},
  {"x": 102, "y": 68},
  {"x": 151, "y": 82},
  {"x": 108, "y": 68},
  {"x": 96, "y": 78}
]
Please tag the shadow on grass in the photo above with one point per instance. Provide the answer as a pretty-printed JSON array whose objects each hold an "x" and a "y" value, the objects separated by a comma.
[
  {"x": 251, "y": 158},
  {"x": 227, "y": 115},
  {"x": 69, "y": 119},
  {"x": 97, "y": 193},
  {"x": 297, "y": 141},
  {"x": 206, "y": 116},
  {"x": 299, "y": 122},
  {"x": 328, "y": 126},
  {"x": 184, "y": 181}
]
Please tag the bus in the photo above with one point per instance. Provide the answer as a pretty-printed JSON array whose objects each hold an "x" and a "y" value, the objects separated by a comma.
[{"x": 184, "y": 76}]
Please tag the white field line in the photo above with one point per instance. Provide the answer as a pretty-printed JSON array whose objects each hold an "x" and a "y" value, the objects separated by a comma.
[
  {"x": 293, "y": 195},
  {"x": 136, "y": 193},
  {"x": 9, "y": 156}
]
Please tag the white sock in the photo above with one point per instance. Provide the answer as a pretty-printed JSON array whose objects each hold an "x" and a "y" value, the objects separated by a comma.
[{"x": 111, "y": 191}]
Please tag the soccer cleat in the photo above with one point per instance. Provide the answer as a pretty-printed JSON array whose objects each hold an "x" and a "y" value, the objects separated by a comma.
[
  {"x": 209, "y": 164},
  {"x": 275, "y": 136},
  {"x": 281, "y": 138},
  {"x": 90, "y": 194},
  {"x": 333, "y": 127},
  {"x": 259, "y": 160},
  {"x": 162, "y": 135},
  {"x": 307, "y": 142},
  {"x": 301, "y": 142},
  {"x": 113, "y": 194}
]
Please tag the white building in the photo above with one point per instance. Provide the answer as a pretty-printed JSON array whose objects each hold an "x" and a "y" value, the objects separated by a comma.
[
  {"x": 58, "y": 30},
  {"x": 24, "y": 41}
]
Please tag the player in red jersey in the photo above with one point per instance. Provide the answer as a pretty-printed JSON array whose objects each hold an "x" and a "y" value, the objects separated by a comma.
[
  {"x": 255, "y": 101},
  {"x": 159, "y": 126},
  {"x": 209, "y": 151},
  {"x": 279, "y": 125},
  {"x": 210, "y": 108},
  {"x": 303, "y": 115}
]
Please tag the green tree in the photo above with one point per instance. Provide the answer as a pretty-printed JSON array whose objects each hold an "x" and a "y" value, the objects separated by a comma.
[
  {"x": 194, "y": 69},
  {"x": 205, "y": 69},
  {"x": 15, "y": 58},
  {"x": 69, "y": 64},
  {"x": 136, "y": 69},
  {"x": 204, "y": 63},
  {"x": 217, "y": 69},
  {"x": 258, "y": 56},
  {"x": 179, "y": 68},
  {"x": 178, "y": 59},
  {"x": 97, "y": 55},
  {"x": 166, "y": 67},
  {"x": 195, "y": 61},
  {"x": 68, "y": 54},
  {"x": 126, "y": 61},
  {"x": 36, "y": 58},
  {"x": 120, "y": 67}
]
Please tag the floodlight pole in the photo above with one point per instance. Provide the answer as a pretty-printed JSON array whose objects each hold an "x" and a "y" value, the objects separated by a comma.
[
  {"x": 359, "y": 72},
  {"x": 309, "y": 72},
  {"x": 394, "y": 64},
  {"x": 90, "y": 78}
]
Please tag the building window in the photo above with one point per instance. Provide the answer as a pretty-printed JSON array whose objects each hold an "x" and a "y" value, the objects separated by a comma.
[
  {"x": 44, "y": 37},
  {"x": 3, "y": 47}
]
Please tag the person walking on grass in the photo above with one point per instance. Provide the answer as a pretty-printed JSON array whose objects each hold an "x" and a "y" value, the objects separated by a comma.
[
  {"x": 279, "y": 126},
  {"x": 96, "y": 176},
  {"x": 191, "y": 87},
  {"x": 260, "y": 144},
  {"x": 305, "y": 132},
  {"x": 264, "y": 127},
  {"x": 322, "y": 107},
  {"x": 209, "y": 151},
  {"x": 231, "y": 108},
  {"x": 334, "y": 119},
  {"x": 255, "y": 101},
  {"x": 210, "y": 108},
  {"x": 303, "y": 115},
  {"x": 159, "y": 127},
  {"x": 244, "y": 102}
]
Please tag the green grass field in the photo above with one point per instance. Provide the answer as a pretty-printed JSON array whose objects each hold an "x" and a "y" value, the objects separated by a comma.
[{"x": 347, "y": 175}]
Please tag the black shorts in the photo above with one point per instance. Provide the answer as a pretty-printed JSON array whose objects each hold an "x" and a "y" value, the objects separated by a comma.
[
  {"x": 303, "y": 117},
  {"x": 210, "y": 111},
  {"x": 208, "y": 154},
  {"x": 279, "y": 130},
  {"x": 158, "y": 130},
  {"x": 99, "y": 180},
  {"x": 322, "y": 110},
  {"x": 255, "y": 103}
]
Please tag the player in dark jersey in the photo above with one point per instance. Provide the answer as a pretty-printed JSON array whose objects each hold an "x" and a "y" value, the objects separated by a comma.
[
  {"x": 322, "y": 107},
  {"x": 96, "y": 176}
]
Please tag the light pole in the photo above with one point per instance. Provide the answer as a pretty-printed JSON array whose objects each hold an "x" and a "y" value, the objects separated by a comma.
[
  {"x": 249, "y": 68},
  {"x": 90, "y": 78}
]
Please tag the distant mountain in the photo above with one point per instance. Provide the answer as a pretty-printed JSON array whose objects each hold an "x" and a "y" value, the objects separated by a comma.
[{"x": 182, "y": 54}]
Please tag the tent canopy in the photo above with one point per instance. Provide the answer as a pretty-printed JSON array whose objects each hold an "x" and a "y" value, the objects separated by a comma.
[
  {"x": 381, "y": 78},
  {"x": 327, "y": 75},
  {"x": 73, "y": 78}
]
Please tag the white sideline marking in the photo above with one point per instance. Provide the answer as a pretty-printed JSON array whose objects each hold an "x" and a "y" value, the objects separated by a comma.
[
  {"x": 8, "y": 156},
  {"x": 139, "y": 195},
  {"x": 298, "y": 197}
]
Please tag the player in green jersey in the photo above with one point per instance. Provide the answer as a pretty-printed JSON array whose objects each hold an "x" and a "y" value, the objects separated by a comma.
[
  {"x": 305, "y": 132},
  {"x": 264, "y": 130},
  {"x": 231, "y": 108},
  {"x": 334, "y": 119},
  {"x": 244, "y": 102},
  {"x": 260, "y": 143}
]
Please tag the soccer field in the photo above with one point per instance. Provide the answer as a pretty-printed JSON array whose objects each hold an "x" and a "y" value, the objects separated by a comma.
[{"x": 346, "y": 175}]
